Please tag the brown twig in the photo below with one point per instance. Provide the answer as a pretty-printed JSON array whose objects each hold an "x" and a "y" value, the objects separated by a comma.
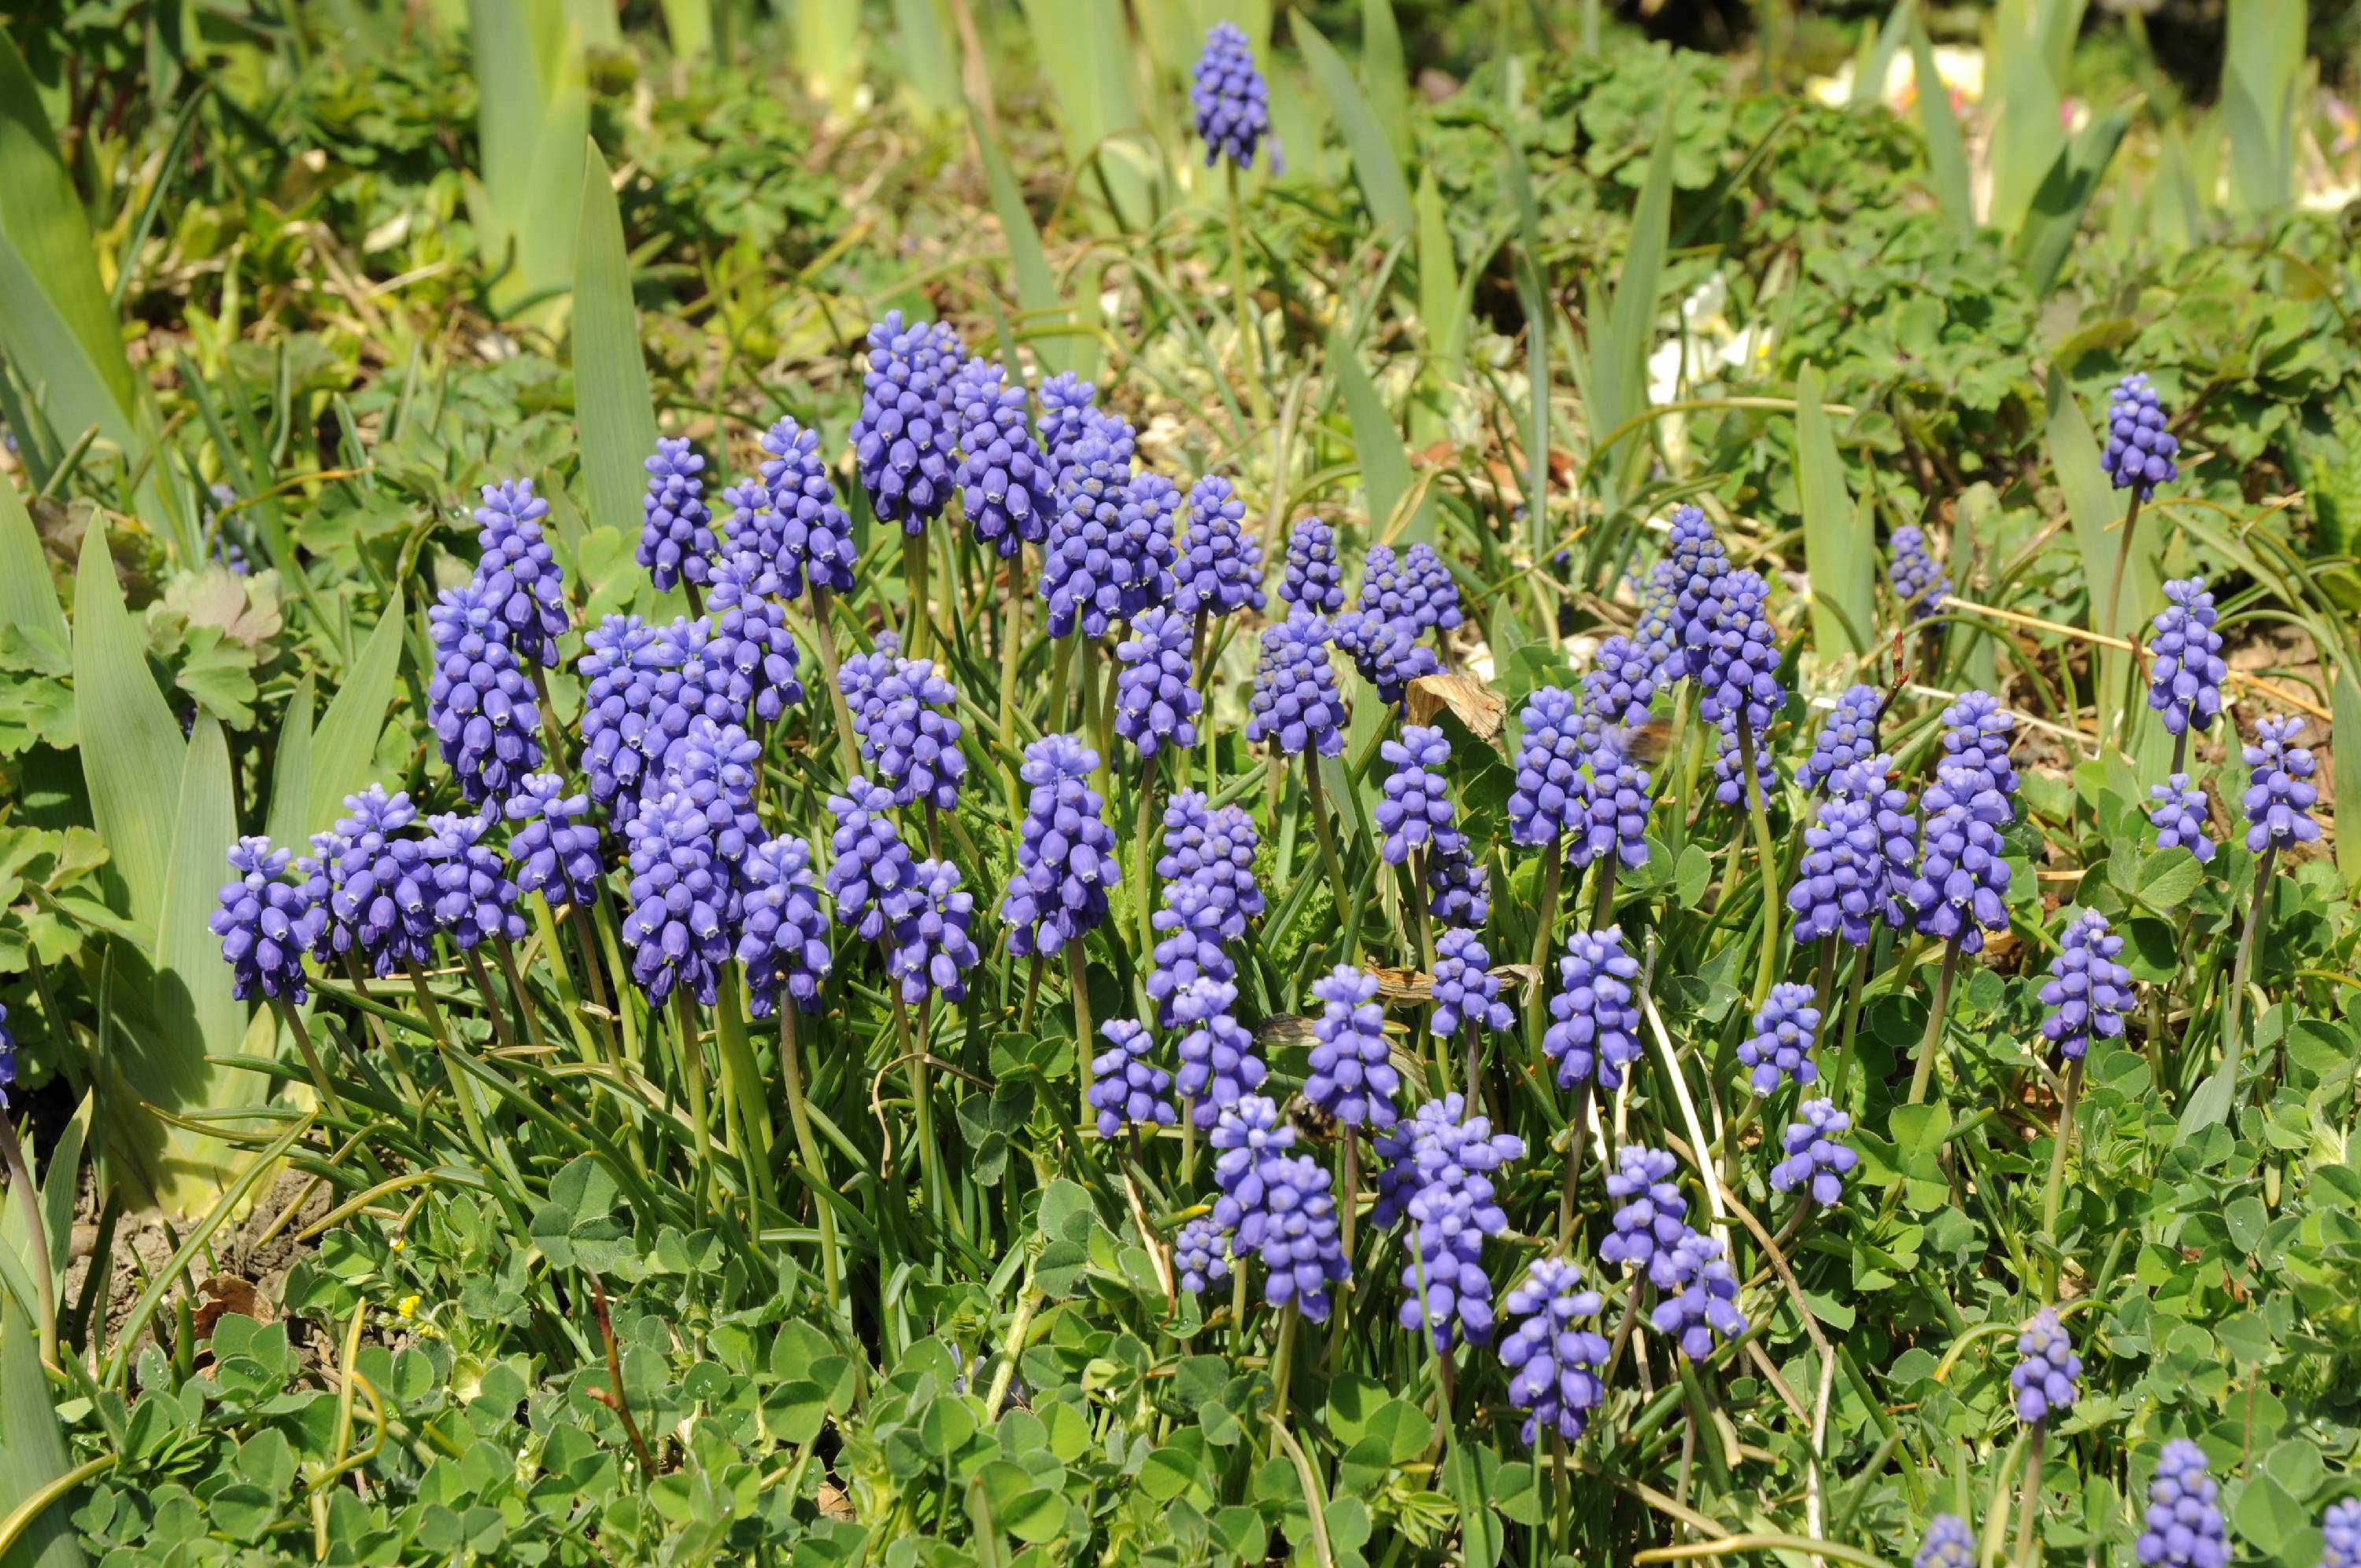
[{"x": 616, "y": 1399}]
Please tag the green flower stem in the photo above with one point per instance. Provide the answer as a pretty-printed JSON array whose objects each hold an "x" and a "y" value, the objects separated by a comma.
[
  {"x": 28, "y": 1204},
  {"x": 1602, "y": 904},
  {"x": 824, "y": 638},
  {"x": 2257, "y": 910},
  {"x": 609, "y": 923},
  {"x": 1012, "y": 645},
  {"x": 1924, "y": 1072},
  {"x": 914, "y": 1068},
  {"x": 2029, "y": 1509},
  {"x": 914, "y": 589},
  {"x": 1545, "y": 919},
  {"x": 1767, "y": 969},
  {"x": 1237, "y": 1306},
  {"x": 586, "y": 937},
  {"x": 1577, "y": 1133},
  {"x": 1282, "y": 1365},
  {"x": 1078, "y": 983},
  {"x": 470, "y": 1113},
  {"x": 1145, "y": 830},
  {"x": 561, "y": 977},
  {"x": 493, "y": 1011},
  {"x": 692, "y": 1068},
  {"x": 293, "y": 1021},
  {"x": 1414, "y": 893},
  {"x": 2053, "y": 1189},
  {"x": 741, "y": 1088},
  {"x": 1851, "y": 1021},
  {"x": 1249, "y": 340},
  {"x": 1347, "y": 1217},
  {"x": 1323, "y": 830},
  {"x": 504, "y": 951},
  {"x": 1102, "y": 777}
]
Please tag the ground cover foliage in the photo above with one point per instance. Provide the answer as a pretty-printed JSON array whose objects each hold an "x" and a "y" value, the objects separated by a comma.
[{"x": 1042, "y": 785}]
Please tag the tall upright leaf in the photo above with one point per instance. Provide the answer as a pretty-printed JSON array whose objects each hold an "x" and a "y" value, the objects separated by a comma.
[
  {"x": 1084, "y": 48},
  {"x": 131, "y": 746},
  {"x": 32, "y": 1446},
  {"x": 2261, "y": 64},
  {"x": 193, "y": 984},
  {"x": 533, "y": 114},
  {"x": 1838, "y": 546},
  {"x": 1440, "y": 311},
  {"x": 611, "y": 399},
  {"x": 1374, "y": 163},
  {"x": 688, "y": 27},
  {"x": 2096, "y": 514},
  {"x": 344, "y": 747},
  {"x": 829, "y": 49},
  {"x": 923, "y": 34},
  {"x": 1946, "y": 156},
  {"x": 2344, "y": 777},
  {"x": 1618, "y": 368},
  {"x": 2027, "y": 136},
  {"x": 1385, "y": 468},
  {"x": 28, "y": 597},
  {"x": 1877, "y": 59},
  {"x": 289, "y": 823},
  {"x": 1037, "y": 286},
  {"x": 1383, "y": 76},
  {"x": 2056, "y": 214}
]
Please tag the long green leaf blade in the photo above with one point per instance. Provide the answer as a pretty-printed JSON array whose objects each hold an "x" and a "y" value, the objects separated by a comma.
[
  {"x": 131, "y": 746},
  {"x": 344, "y": 747},
  {"x": 1373, "y": 164},
  {"x": 1037, "y": 286},
  {"x": 610, "y": 376},
  {"x": 1836, "y": 550},
  {"x": 1946, "y": 156},
  {"x": 2344, "y": 777},
  {"x": 290, "y": 823},
  {"x": 32, "y": 1446},
  {"x": 1618, "y": 377},
  {"x": 1385, "y": 467},
  {"x": 28, "y": 597},
  {"x": 1383, "y": 75}
]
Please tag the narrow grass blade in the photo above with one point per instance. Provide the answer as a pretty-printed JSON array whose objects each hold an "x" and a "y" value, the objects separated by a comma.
[
  {"x": 2064, "y": 196},
  {"x": 1383, "y": 76},
  {"x": 1869, "y": 82},
  {"x": 1085, "y": 49},
  {"x": 131, "y": 746},
  {"x": 32, "y": 1446},
  {"x": 688, "y": 25},
  {"x": 1385, "y": 467},
  {"x": 1037, "y": 286},
  {"x": 289, "y": 822},
  {"x": 28, "y": 597},
  {"x": 2345, "y": 776},
  {"x": 2028, "y": 135},
  {"x": 1837, "y": 543},
  {"x": 611, "y": 378},
  {"x": 344, "y": 747},
  {"x": 1440, "y": 306},
  {"x": 1619, "y": 373},
  {"x": 923, "y": 36},
  {"x": 2263, "y": 61},
  {"x": 1373, "y": 164},
  {"x": 1946, "y": 156},
  {"x": 1533, "y": 294}
]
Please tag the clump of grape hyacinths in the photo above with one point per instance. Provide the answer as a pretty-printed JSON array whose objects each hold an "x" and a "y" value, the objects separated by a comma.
[
  {"x": 1386, "y": 652},
  {"x": 1615, "y": 805},
  {"x": 1351, "y": 1074},
  {"x": 1313, "y": 581},
  {"x": 1467, "y": 995},
  {"x": 1621, "y": 683},
  {"x": 480, "y": 701},
  {"x": 750, "y": 639},
  {"x": 2182, "y": 1527},
  {"x": 2179, "y": 817},
  {"x": 628, "y": 721},
  {"x": 1192, "y": 915},
  {"x": 1698, "y": 562},
  {"x": 1416, "y": 812},
  {"x": 1553, "y": 1362},
  {"x": 1217, "y": 850},
  {"x": 1218, "y": 1065},
  {"x": 1657, "y": 632},
  {"x": 931, "y": 950},
  {"x": 1232, "y": 105},
  {"x": 1248, "y": 1132},
  {"x": 1098, "y": 564},
  {"x": 555, "y": 851},
  {"x": 901, "y": 709},
  {"x": 1594, "y": 1029},
  {"x": 2184, "y": 683},
  {"x": 266, "y": 924},
  {"x": 1003, "y": 476},
  {"x": 903, "y": 440},
  {"x": 807, "y": 537},
  {"x": 1976, "y": 731},
  {"x": 1201, "y": 1253},
  {"x": 2279, "y": 794},
  {"x": 1294, "y": 702},
  {"x": 1698, "y": 1296},
  {"x": 1850, "y": 737},
  {"x": 1066, "y": 858},
  {"x": 1127, "y": 1088},
  {"x": 381, "y": 890},
  {"x": 676, "y": 927},
  {"x": 1962, "y": 884},
  {"x": 1779, "y": 1050},
  {"x": 1818, "y": 1159},
  {"x": 1293, "y": 1230},
  {"x": 872, "y": 874},
  {"x": 782, "y": 933},
  {"x": 1441, "y": 1168},
  {"x": 1949, "y": 1544},
  {"x": 1858, "y": 856},
  {"x": 1219, "y": 567},
  {"x": 1919, "y": 582},
  {"x": 2139, "y": 451},
  {"x": 1548, "y": 802},
  {"x": 518, "y": 574},
  {"x": 2088, "y": 990},
  {"x": 676, "y": 541},
  {"x": 1068, "y": 413},
  {"x": 1736, "y": 654},
  {"x": 2043, "y": 1380},
  {"x": 473, "y": 899},
  {"x": 1459, "y": 890},
  {"x": 1155, "y": 706},
  {"x": 1652, "y": 1219}
]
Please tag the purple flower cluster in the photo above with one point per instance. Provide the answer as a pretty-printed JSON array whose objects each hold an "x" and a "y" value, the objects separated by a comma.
[
  {"x": 1293, "y": 1230},
  {"x": 1155, "y": 706},
  {"x": 1003, "y": 476},
  {"x": 1207, "y": 870},
  {"x": 1961, "y": 889},
  {"x": 555, "y": 854},
  {"x": 480, "y": 701},
  {"x": 1621, "y": 682},
  {"x": 1553, "y": 1362},
  {"x": 1387, "y": 653},
  {"x": 266, "y": 924},
  {"x": 1127, "y": 1088},
  {"x": 1848, "y": 736},
  {"x": 1069, "y": 413},
  {"x": 1919, "y": 582},
  {"x": 2043, "y": 1380},
  {"x": 1698, "y": 564},
  {"x": 1697, "y": 1296},
  {"x": 1728, "y": 787},
  {"x": 2340, "y": 1527},
  {"x": 473, "y": 898},
  {"x": 1859, "y": 858},
  {"x": 1459, "y": 891},
  {"x": 2088, "y": 990},
  {"x": 783, "y": 934},
  {"x": 1313, "y": 581},
  {"x": 1416, "y": 812},
  {"x": 1294, "y": 702},
  {"x": 1976, "y": 735},
  {"x": 806, "y": 536},
  {"x": 1949, "y": 1544},
  {"x": 1818, "y": 1157},
  {"x": 2280, "y": 795},
  {"x": 2182, "y": 1527},
  {"x": 902, "y": 441},
  {"x": 1614, "y": 804},
  {"x": 931, "y": 950},
  {"x": 1737, "y": 654},
  {"x": 1218, "y": 1065},
  {"x": 1100, "y": 563},
  {"x": 1779, "y": 1047},
  {"x": 1464, "y": 989},
  {"x": 676, "y": 928},
  {"x": 1658, "y": 631},
  {"x": 2184, "y": 684},
  {"x": 1249, "y": 1132},
  {"x": 1654, "y": 1217},
  {"x": 381, "y": 888},
  {"x": 1232, "y": 105},
  {"x": 1066, "y": 858},
  {"x": 1416, "y": 589},
  {"x": 1220, "y": 568},
  {"x": 1201, "y": 1253},
  {"x": 747, "y": 638},
  {"x": 871, "y": 876},
  {"x": 2139, "y": 451},
  {"x": 901, "y": 709},
  {"x": 2179, "y": 817},
  {"x": 676, "y": 528},
  {"x": 517, "y": 573},
  {"x": 1549, "y": 801},
  {"x": 1594, "y": 1030},
  {"x": 1439, "y": 1174},
  {"x": 1351, "y": 1075},
  {"x": 629, "y": 716}
]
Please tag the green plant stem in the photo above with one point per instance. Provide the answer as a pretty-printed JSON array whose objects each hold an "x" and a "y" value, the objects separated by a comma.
[
  {"x": 1577, "y": 1133},
  {"x": 2233, "y": 1006},
  {"x": 692, "y": 1071},
  {"x": 293, "y": 1023},
  {"x": 1348, "y": 1217},
  {"x": 28, "y": 1204},
  {"x": 914, "y": 1068},
  {"x": 1250, "y": 341},
  {"x": 504, "y": 951},
  {"x": 2115, "y": 584},
  {"x": 1330, "y": 861},
  {"x": 1767, "y": 968},
  {"x": 808, "y": 1151},
  {"x": 493, "y": 1012},
  {"x": 1924, "y": 1072},
  {"x": 1282, "y": 1365},
  {"x": 1145, "y": 830},
  {"x": 914, "y": 589},
  {"x": 586, "y": 937},
  {"x": 1545, "y": 918},
  {"x": 1011, "y": 645},
  {"x": 741, "y": 1088},
  {"x": 824, "y": 638},
  {"x": 1078, "y": 983},
  {"x": 2029, "y": 1509},
  {"x": 2053, "y": 1189}
]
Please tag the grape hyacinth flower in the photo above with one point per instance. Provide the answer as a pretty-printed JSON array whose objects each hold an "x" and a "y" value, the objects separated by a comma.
[
  {"x": 1653, "y": 1218},
  {"x": 2139, "y": 451},
  {"x": 1949, "y": 1544},
  {"x": 1215, "y": 848},
  {"x": 2340, "y": 1527},
  {"x": 1155, "y": 706},
  {"x": 1698, "y": 562},
  {"x": 1248, "y": 1134},
  {"x": 2184, "y": 683},
  {"x": 554, "y": 853},
  {"x": 872, "y": 877},
  {"x": 1070, "y": 413},
  {"x": 1779, "y": 1047},
  {"x": 1620, "y": 683},
  {"x": 1615, "y": 805},
  {"x": 719, "y": 767},
  {"x": 1201, "y": 1253},
  {"x": 1848, "y": 737},
  {"x": 487, "y": 721},
  {"x": 1193, "y": 914},
  {"x": 1386, "y": 652},
  {"x": 931, "y": 950},
  {"x": 1736, "y": 654},
  {"x": 473, "y": 899},
  {"x": 518, "y": 574},
  {"x": 1919, "y": 582},
  {"x": 1313, "y": 581},
  {"x": 1548, "y": 803},
  {"x": 677, "y": 528},
  {"x": 809, "y": 539},
  {"x": 1218, "y": 1065},
  {"x": 1465, "y": 994},
  {"x": 1219, "y": 571},
  {"x": 1459, "y": 890},
  {"x": 1961, "y": 890},
  {"x": 1095, "y": 564},
  {"x": 1594, "y": 1033},
  {"x": 2088, "y": 990},
  {"x": 1232, "y": 105},
  {"x": 1294, "y": 1232},
  {"x": 382, "y": 891},
  {"x": 266, "y": 924},
  {"x": 1699, "y": 1301},
  {"x": 750, "y": 637},
  {"x": 782, "y": 933},
  {"x": 2182, "y": 1527},
  {"x": 1818, "y": 1157},
  {"x": 1127, "y": 1088},
  {"x": 1552, "y": 1363},
  {"x": 1442, "y": 1175},
  {"x": 1294, "y": 702},
  {"x": 1003, "y": 476},
  {"x": 901, "y": 710},
  {"x": 676, "y": 928},
  {"x": 2280, "y": 795},
  {"x": 1657, "y": 632},
  {"x": 1975, "y": 735},
  {"x": 1066, "y": 853},
  {"x": 628, "y": 724},
  {"x": 1727, "y": 787},
  {"x": 902, "y": 441},
  {"x": 1858, "y": 859},
  {"x": 1416, "y": 812},
  {"x": 2043, "y": 1379},
  {"x": 2179, "y": 817},
  {"x": 1431, "y": 594},
  {"x": 1351, "y": 1074}
]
